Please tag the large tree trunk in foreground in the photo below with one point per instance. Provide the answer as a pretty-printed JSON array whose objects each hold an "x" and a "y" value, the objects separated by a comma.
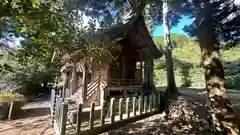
[
  {"x": 172, "y": 89},
  {"x": 222, "y": 112}
]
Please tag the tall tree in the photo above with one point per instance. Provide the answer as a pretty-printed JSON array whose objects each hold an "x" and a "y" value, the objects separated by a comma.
[
  {"x": 168, "y": 50},
  {"x": 222, "y": 112},
  {"x": 216, "y": 21}
]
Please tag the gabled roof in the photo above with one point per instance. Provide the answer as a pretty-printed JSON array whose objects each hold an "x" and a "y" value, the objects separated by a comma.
[{"x": 137, "y": 32}]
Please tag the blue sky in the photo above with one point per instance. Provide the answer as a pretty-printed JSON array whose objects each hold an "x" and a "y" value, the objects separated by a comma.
[{"x": 178, "y": 29}]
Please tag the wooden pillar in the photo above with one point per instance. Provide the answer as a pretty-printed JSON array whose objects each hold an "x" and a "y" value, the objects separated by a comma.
[{"x": 85, "y": 83}]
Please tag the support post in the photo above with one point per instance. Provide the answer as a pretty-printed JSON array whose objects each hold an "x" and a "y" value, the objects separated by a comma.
[
  {"x": 112, "y": 111},
  {"x": 91, "y": 118},
  {"x": 145, "y": 104},
  {"x": 102, "y": 119},
  {"x": 85, "y": 83},
  {"x": 79, "y": 113},
  {"x": 10, "y": 110},
  {"x": 154, "y": 101},
  {"x": 63, "y": 118},
  {"x": 140, "y": 100},
  {"x": 150, "y": 103},
  {"x": 120, "y": 109},
  {"x": 127, "y": 108},
  {"x": 134, "y": 106}
]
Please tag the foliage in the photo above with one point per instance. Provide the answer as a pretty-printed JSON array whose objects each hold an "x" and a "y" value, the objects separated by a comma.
[
  {"x": 8, "y": 97},
  {"x": 187, "y": 67}
]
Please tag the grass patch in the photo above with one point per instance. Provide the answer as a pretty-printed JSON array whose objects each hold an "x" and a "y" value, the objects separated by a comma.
[
  {"x": 9, "y": 97},
  {"x": 187, "y": 68}
]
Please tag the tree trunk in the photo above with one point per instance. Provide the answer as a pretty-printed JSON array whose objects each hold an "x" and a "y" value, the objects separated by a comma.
[
  {"x": 85, "y": 82},
  {"x": 172, "y": 89},
  {"x": 222, "y": 112}
]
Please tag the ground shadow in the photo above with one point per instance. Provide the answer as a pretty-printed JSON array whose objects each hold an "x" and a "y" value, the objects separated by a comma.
[
  {"x": 176, "y": 123},
  {"x": 35, "y": 112}
]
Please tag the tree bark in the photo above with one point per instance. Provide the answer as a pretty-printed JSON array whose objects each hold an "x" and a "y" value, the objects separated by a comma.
[
  {"x": 172, "y": 89},
  {"x": 224, "y": 121}
]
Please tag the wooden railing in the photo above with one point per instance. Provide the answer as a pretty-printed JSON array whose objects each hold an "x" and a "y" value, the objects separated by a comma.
[
  {"x": 93, "y": 87},
  {"x": 130, "y": 82},
  {"x": 121, "y": 112}
]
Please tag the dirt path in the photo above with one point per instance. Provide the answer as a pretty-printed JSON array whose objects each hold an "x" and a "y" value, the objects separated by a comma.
[{"x": 35, "y": 120}]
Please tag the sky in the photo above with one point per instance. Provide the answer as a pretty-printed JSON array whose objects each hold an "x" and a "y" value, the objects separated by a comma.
[{"x": 177, "y": 29}]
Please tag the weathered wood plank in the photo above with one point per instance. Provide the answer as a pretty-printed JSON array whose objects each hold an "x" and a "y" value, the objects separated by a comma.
[
  {"x": 63, "y": 118},
  {"x": 150, "y": 103},
  {"x": 145, "y": 104},
  {"x": 134, "y": 106},
  {"x": 78, "y": 127},
  {"x": 140, "y": 102},
  {"x": 154, "y": 101},
  {"x": 10, "y": 110},
  {"x": 91, "y": 117},
  {"x": 127, "y": 108},
  {"x": 159, "y": 99},
  {"x": 102, "y": 117},
  {"x": 120, "y": 109},
  {"x": 112, "y": 110}
]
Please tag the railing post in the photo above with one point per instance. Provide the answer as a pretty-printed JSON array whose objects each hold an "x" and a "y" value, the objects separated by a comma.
[
  {"x": 79, "y": 113},
  {"x": 112, "y": 111},
  {"x": 63, "y": 118},
  {"x": 120, "y": 109},
  {"x": 140, "y": 100},
  {"x": 102, "y": 119},
  {"x": 150, "y": 103},
  {"x": 53, "y": 103},
  {"x": 127, "y": 108},
  {"x": 158, "y": 99},
  {"x": 145, "y": 104},
  {"x": 134, "y": 106},
  {"x": 154, "y": 101},
  {"x": 91, "y": 118},
  {"x": 60, "y": 93}
]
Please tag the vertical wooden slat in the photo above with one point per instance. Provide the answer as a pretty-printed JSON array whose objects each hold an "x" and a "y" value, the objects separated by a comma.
[
  {"x": 112, "y": 111},
  {"x": 140, "y": 102},
  {"x": 74, "y": 117},
  {"x": 91, "y": 117},
  {"x": 53, "y": 104},
  {"x": 159, "y": 99},
  {"x": 150, "y": 103},
  {"x": 57, "y": 111},
  {"x": 134, "y": 106},
  {"x": 60, "y": 93},
  {"x": 127, "y": 108},
  {"x": 79, "y": 113},
  {"x": 10, "y": 110},
  {"x": 63, "y": 118},
  {"x": 154, "y": 101},
  {"x": 145, "y": 104},
  {"x": 102, "y": 119},
  {"x": 120, "y": 109}
]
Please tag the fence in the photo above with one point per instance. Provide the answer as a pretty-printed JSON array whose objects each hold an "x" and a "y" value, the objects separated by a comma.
[{"x": 74, "y": 119}]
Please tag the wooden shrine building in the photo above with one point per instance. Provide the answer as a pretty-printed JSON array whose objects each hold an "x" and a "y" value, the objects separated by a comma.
[{"x": 131, "y": 73}]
